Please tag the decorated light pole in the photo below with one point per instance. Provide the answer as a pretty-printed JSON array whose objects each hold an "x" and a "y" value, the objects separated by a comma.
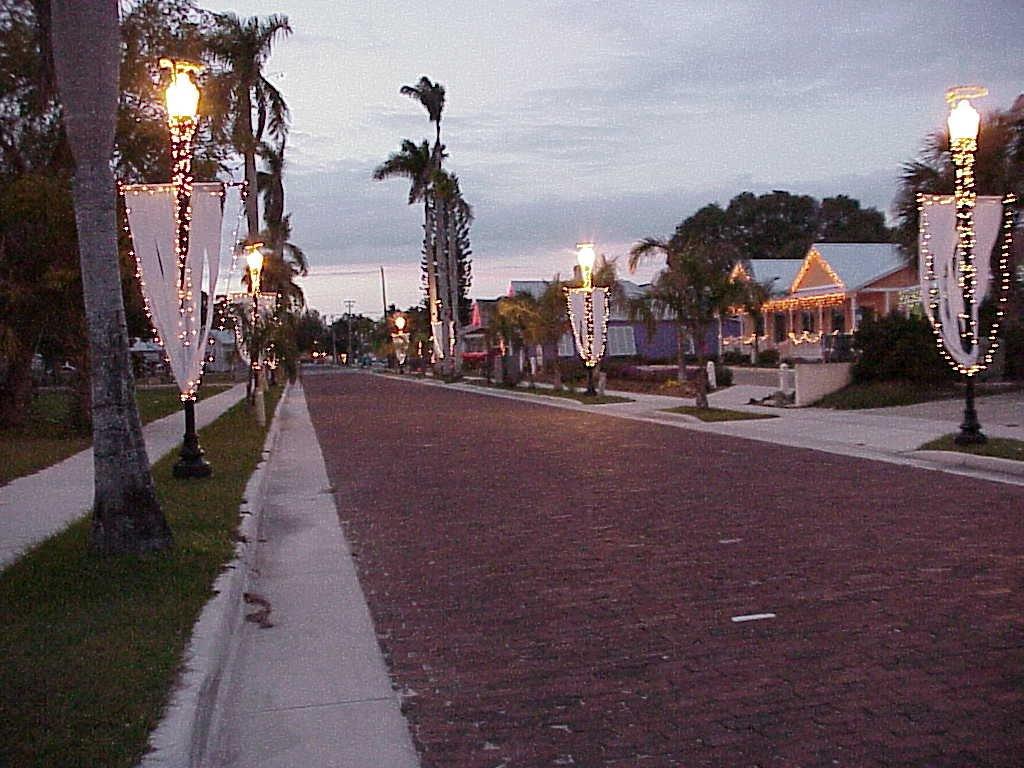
[
  {"x": 957, "y": 236},
  {"x": 254, "y": 263},
  {"x": 588, "y": 313},
  {"x": 400, "y": 341},
  {"x": 182, "y": 102},
  {"x": 183, "y": 218}
]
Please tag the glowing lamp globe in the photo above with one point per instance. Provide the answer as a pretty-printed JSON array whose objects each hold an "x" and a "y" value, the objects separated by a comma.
[
  {"x": 254, "y": 258},
  {"x": 182, "y": 97},
  {"x": 400, "y": 323},
  {"x": 963, "y": 121},
  {"x": 586, "y": 256}
]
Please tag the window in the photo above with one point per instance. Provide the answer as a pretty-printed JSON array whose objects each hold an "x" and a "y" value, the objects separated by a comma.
[
  {"x": 779, "y": 326},
  {"x": 838, "y": 320},
  {"x": 566, "y": 346},
  {"x": 807, "y": 321},
  {"x": 621, "y": 341}
]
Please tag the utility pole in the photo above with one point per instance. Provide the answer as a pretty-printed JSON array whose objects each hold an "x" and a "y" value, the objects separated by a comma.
[
  {"x": 348, "y": 306},
  {"x": 334, "y": 342},
  {"x": 383, "y": 292}
]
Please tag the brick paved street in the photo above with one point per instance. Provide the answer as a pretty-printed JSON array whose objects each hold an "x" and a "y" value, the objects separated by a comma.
[{"x": 556, "y": 588}]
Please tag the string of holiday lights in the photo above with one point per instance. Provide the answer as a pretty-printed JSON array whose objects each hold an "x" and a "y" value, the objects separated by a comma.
[
  {"x": 584, "y": 332},
  {"x": 966, "y": 284}
]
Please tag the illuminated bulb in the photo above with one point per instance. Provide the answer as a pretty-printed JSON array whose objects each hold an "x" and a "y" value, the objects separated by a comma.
[
  {"x": 963, "y": 122},
  {"x": 586, "y": 256},
  {"x": 254, "y": 257},
  {"x": 400, "y": 323},
  {"x": 182, "y": 95}
]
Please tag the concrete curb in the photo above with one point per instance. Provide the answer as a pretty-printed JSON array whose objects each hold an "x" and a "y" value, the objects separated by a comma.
[
  {"x": 180, "y": 740},
  {"x": 971, "y": 461}
]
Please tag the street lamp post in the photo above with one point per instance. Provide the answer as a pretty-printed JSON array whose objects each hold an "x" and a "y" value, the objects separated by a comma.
[
  {"x": 589, "y": 318},
  {"x": 400, "y": 341},
  {"x": 254, "y": 263},
  {"x": 182, "y": 102},
  {"x": 964, "y": 122}
]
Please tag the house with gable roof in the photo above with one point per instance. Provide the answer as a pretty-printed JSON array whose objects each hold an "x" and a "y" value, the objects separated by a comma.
[{"x": 822, "y": 298}]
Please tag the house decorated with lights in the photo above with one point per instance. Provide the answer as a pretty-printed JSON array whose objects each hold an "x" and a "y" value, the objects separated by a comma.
[{"x": 818, "y": 301}]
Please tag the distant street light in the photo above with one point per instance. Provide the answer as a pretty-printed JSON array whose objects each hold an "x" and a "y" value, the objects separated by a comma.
[
  {"x": 181, "y": 99},
  {"x": 589, "y": 318},
  {"x": 400, "y": 341},
  {"x": 254, "y": 263}
]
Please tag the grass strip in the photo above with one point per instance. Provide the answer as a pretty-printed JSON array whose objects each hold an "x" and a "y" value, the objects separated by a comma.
[
  {"x": 884, "y": 394},
  {"x": 569, "y": 394},
  {"x": 90, "y": 646},
  {"x": 718, "y": 414},
  {"x": 998, "y": 447},
  {"x": 45, "y": 439}
]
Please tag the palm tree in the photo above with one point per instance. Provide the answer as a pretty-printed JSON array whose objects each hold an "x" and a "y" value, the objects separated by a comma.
[
  {"x": 451, "y": 211},
  {"x": 243, "y": 46},
  {"x": 542, "y": 319},
  {"x": 696, "y": 287},
  {"x": 431, "y": 96},
  {"x": 755, "y": 295},
  {"x": 285, "y": 260},
  {"x": 126, "y": 514},
  {"x": 415, "y": 163}
]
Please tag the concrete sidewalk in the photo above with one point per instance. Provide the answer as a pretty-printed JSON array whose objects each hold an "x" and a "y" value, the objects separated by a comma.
[
  {"x": 35, "y": 507},
  {"x": 313, "y": 688}
]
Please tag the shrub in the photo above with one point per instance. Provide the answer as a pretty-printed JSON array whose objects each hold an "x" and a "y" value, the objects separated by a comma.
[
  {"x": 768, "y": 358},
  {"x": 723, "y": 375},
  {"x": 1013, "y": 349},
  {"x": 735, "y": 357},
  {"x": 898, "y": 348}
]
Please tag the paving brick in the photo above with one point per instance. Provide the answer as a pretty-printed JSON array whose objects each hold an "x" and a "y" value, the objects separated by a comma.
[{"x": 552, "y": 586}]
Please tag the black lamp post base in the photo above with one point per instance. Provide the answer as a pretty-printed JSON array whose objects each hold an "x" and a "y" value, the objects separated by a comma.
[
  {"x": 970, "y": 430},
  {"x": 192, "y": 467},
  {"x": 191, "y": 462}
]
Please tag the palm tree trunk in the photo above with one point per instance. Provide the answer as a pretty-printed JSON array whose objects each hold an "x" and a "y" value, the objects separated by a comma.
[
  {"x": 252, "y": 209},
  {"x": 428, "y": 254},
  {"x": 126, "y": 513},
  {"x": 453, "y": 291},
  {"x": 441, "y": 261},
  {"x": 701, "y": 381},
  {"x": 681, "y": 352}
]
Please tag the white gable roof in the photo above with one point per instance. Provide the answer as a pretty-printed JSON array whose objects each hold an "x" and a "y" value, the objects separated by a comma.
[
  {"x": 858, "y": 264},
  {"x": 783, "y": 271}
]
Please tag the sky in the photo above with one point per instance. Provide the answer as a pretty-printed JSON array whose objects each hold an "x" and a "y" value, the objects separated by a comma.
[{"x": 604, "y": 121}]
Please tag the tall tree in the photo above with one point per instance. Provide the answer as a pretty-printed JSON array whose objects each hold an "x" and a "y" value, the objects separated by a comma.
[
  {"x": 415, "y": 163},
  {"x": 695, "y": 288},
  {"x": 284, "y": 261},
  {"x": 431, "y": 96},
  {"x": 243, "y": 47},
  {"x": 842, "y": 220},
  {"x": 126, "y": 514},
  {"x": 453, "y": 213}
]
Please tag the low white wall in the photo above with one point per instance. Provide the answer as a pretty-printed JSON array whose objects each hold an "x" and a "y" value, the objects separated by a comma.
[{"x": 815, "y": 380}]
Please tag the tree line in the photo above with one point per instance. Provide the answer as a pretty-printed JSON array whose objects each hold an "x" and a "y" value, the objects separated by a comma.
[
  {"x": 447, "y": 217},
  {"x": 81, "y": 107}
]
